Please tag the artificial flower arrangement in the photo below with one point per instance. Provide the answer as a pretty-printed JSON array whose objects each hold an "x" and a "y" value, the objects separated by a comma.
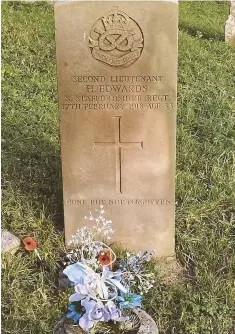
[{"x": 106, "y": 288}]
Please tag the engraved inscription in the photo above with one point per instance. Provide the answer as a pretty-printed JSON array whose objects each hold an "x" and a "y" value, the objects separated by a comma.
[
  {"x": 118, "y": 144},
  {"x": 118, "y": 93},
  {"x": 126, "y": 201},
  {"x": 116, "y": 39}
]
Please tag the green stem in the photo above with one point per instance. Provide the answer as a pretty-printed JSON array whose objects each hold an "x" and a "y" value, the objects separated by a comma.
[
  {"x": 93, "y": 330},
  {"x": 37, "y": 253}
]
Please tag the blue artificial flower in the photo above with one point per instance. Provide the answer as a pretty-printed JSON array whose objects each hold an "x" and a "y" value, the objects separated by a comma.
[
  {"x": 81, "y": 292},
  {"x": 112, "y": 312},
  {"x": 75, "y": 272},
  {"x": 118, "y": 275},
  {"x": 114, "y": 278},
  {"x": 95, "y": 312},
  {"x": 129, "y": 300},
  {"x": 73, "y": 314}
]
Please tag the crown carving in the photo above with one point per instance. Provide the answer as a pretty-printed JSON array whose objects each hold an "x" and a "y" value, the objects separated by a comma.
[{"x": 116, "y": 20}]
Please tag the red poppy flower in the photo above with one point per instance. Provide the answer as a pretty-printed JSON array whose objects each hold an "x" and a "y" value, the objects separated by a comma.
[
  {"x": 29, "y": 244},
  {"x": 105, "y": 257}
]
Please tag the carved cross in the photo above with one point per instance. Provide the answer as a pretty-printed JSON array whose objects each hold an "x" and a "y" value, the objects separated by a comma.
[{"x": 118, "y": 144}]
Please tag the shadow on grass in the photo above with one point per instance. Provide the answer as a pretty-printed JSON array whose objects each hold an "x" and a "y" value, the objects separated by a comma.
[
  {"x": 32, "y": 170},
  {"x": 205, "y": 34}
]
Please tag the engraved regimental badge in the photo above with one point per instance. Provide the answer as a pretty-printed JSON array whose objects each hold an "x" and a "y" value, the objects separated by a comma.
[{"x": 116, "y": 39}]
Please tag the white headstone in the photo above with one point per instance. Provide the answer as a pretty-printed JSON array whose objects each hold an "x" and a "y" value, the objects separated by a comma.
[
  {"x": 230, "y": 25},
  {"x": 117, "y": 71}
]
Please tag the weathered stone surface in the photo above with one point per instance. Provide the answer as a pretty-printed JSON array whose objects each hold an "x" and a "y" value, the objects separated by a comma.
[
  {"x": 147, "y": 325},
  {"x": 117, "y": 74},
  {"x": 9, "y": 242},
  {"x": 230, "y": 25}
]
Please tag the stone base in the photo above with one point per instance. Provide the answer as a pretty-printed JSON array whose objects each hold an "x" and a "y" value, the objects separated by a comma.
[
  {"x": 147, "y": 325},
  {"x": 169, "y": 270},
  {"x": 9, "y": 242}
]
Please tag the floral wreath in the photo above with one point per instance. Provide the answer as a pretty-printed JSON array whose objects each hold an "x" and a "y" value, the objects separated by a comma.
[{"x": 105, "y": 286}]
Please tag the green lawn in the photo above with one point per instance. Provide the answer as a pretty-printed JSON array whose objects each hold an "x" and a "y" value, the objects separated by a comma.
[{"x": 203, "y": 300}]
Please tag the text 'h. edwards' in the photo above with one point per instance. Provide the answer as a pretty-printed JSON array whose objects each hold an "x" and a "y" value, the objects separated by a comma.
[{"x": 116, "y": 39}]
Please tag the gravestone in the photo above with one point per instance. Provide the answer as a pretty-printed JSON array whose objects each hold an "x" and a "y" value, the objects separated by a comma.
[
  {"x": 230, "y": 25},
  {"x": 117, "y": 77}
]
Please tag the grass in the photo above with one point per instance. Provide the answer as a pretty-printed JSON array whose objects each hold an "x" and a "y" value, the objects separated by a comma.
[{"x": 203, "y": 301}]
